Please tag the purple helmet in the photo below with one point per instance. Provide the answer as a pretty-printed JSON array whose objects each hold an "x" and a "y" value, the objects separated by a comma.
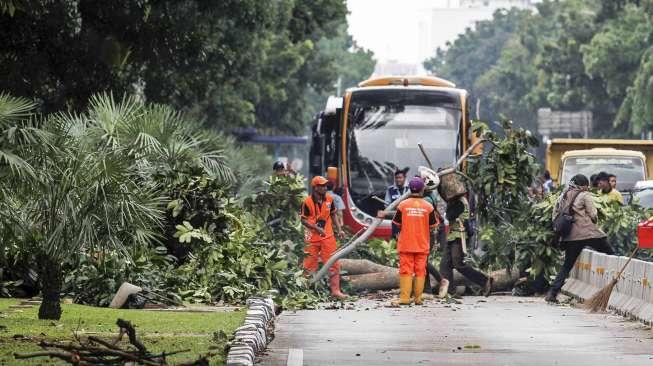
[{"x": 416, "y": 184}]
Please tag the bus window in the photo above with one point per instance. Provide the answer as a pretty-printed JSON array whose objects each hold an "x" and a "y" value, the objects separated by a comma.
[{"x": 385, "y": 127}]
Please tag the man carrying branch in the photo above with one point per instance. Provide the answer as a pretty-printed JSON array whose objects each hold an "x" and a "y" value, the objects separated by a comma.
[
  {"x": 318, "y": 214},
  {"x": 454, "y": 251}
]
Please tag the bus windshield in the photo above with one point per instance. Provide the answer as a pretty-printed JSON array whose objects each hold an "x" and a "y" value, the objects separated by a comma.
[
  {"x": 628, "y": 170},
  {"x": 385, "y": 126}
]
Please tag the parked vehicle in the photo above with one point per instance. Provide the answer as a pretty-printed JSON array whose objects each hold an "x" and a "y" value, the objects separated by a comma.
[
  {"x": 643, "y": 193},
  {"x": 374, "y": 130},
  {"x": 629, "y": 166},
  {"x": 630, "y": 160}
]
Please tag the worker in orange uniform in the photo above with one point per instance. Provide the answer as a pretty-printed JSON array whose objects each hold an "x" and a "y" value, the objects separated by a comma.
[
  {"x": 318, "y": 215},
  {"x": 416, "y": 218}
]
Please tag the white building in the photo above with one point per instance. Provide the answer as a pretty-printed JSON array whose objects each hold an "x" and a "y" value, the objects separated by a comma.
[{"x": 444, "y": 24}]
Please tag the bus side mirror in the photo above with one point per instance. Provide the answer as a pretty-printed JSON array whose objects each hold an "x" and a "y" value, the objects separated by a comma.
[{"x": 332, "y": 105}]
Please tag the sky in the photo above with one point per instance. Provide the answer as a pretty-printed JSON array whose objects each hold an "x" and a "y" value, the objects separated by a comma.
[
  {"x": 410, "y": 30},
  {"x": 390, "y": 28}
]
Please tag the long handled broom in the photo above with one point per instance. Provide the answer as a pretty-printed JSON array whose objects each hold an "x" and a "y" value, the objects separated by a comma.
[{"x": 599, "y": 302}]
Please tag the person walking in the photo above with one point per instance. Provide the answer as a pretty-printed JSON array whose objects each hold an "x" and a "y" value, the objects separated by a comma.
[
  {"x": 395, "y": 191},
  {"x": 416, "y": 218},
  {"x": 454, "y": 251},
  {"x": 318, "y": 214},
  {"x": 584, "y": 231}
]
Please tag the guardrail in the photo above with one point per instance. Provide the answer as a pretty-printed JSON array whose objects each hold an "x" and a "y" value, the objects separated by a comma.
[{"x": 632, "y": 296}]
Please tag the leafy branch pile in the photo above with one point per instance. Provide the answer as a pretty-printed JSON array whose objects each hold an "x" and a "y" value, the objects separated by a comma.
[
  {"x": 135, "y": 192},
  {"x": 526, "y": 242},
  {"x": 515, "y": 228}
]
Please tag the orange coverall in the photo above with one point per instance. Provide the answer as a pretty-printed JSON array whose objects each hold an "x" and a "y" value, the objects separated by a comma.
[
  {"x": 415, "y": 217},
  {"x": 319, "y": 248}
]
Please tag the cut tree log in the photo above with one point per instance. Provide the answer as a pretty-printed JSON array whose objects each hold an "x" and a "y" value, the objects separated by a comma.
[
  {"x": 388, "y": 277},
  {"x": 363, "y": 266}
]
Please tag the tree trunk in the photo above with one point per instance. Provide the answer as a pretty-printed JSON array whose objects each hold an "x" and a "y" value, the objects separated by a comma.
[
  {"x": 373, "y": 281},
  {"x": 51, "y": 280},
  {"x": 387, "y": 278},
  {"x": 362, "y": 266}
]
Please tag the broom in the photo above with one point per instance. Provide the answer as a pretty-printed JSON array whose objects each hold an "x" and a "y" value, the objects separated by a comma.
[{"x": 599, "y": 302}]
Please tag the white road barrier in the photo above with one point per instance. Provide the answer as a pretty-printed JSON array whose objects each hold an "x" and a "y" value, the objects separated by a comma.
[
  {"x": 252, "y": 338},
  {"x": 632, "y": 296}
]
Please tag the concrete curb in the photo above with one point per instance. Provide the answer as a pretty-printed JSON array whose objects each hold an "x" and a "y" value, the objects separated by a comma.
[
  {"x": 633, "y": 294},
  {"x": 253, "y": 337}
]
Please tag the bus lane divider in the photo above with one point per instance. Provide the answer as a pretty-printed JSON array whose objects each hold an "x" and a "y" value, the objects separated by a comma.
[{"x": 631, "y": 297}]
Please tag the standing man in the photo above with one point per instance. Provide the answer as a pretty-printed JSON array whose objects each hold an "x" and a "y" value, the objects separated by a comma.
[
  {"x": 454, "y": 251},
  {"x": 548, "y": 185},
  {"x": 279, "y": 168},
  {"x": 318, "y": 214},
  {"x": 338, "y": 202},
  {"x": 613, "y": 181},
  {"x": 395, "y": 191},
  {"x": 607, "y": 190},
  {"x": 416, "y": 218}
]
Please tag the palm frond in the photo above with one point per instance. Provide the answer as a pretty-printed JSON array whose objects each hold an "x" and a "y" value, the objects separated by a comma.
[
  {"x": 214, "y": 163},
  {"x": 13, "y": 109},
  {"x": 111, "y": 119},
  {"x": 15, "y": 163}
]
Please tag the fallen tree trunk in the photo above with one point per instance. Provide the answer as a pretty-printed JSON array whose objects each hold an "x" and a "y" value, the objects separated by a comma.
[
  {"x": 373, "y": 281},
  {"x": 388, "y": 277},
  {"x": 363, "y": 266}
]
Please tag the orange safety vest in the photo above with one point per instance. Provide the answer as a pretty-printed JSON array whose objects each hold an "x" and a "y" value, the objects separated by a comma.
[
  {"x": 414, "y": 216},
  {"x": 312, "y": 212}
]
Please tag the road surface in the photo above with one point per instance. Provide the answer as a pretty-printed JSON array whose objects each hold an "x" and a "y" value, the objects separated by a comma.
[{"x": 500, "y": 330}]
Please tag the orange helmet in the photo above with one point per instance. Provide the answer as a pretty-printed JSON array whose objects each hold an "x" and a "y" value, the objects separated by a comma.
[{"x": 318, "y": 180}]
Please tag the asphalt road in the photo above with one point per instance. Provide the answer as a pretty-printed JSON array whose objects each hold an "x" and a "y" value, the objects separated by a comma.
[{"x": 501, "y": 330}]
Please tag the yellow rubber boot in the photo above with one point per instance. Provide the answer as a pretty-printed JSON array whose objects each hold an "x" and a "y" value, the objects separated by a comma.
[
  {"x": 405, "y": 288},
  {"x": 419, "y": 289}
]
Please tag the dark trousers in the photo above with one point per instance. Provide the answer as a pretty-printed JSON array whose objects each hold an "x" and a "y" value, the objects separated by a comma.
[
  {"x": 430, "y": 268},
  {"x": 395, "y": 231},
  {"x": 454, "y": 258},
  {"x": 572, "y": 251}
]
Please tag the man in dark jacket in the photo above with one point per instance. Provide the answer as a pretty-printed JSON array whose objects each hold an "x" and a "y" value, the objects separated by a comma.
[{"x": 395, "y": 191}]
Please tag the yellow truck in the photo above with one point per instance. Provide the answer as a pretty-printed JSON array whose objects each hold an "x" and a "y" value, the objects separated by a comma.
[{"x": 629, "y": 160}]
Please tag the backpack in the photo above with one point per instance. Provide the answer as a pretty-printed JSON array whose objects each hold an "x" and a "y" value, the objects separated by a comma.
[{"x": 565, "y": 219}]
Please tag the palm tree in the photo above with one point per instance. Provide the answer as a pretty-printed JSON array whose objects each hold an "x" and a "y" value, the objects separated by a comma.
[
  {"x": 158, "y": 139},
  {"x": 97, "y": 180},
  {"x": 83, "y": 197},
  {"x": 15, "y": 131}
]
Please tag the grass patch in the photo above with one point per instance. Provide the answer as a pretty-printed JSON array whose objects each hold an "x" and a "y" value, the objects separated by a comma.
[{"x": 159, "y": 331}]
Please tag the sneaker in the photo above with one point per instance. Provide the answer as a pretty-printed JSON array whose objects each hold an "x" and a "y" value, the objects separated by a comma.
[
  {"x": 488, "y": 287},
  {"x": 551, "y": 298},
  {"x": 444, "y": 288}
]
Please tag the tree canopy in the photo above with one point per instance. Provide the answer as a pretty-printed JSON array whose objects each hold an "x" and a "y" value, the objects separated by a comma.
[
  {"x": 566, "y": 55},
  {"x": 232, "y": 63}
]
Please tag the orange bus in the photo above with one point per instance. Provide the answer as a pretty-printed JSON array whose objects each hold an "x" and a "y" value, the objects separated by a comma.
[{"x": 374, "y": 129}]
